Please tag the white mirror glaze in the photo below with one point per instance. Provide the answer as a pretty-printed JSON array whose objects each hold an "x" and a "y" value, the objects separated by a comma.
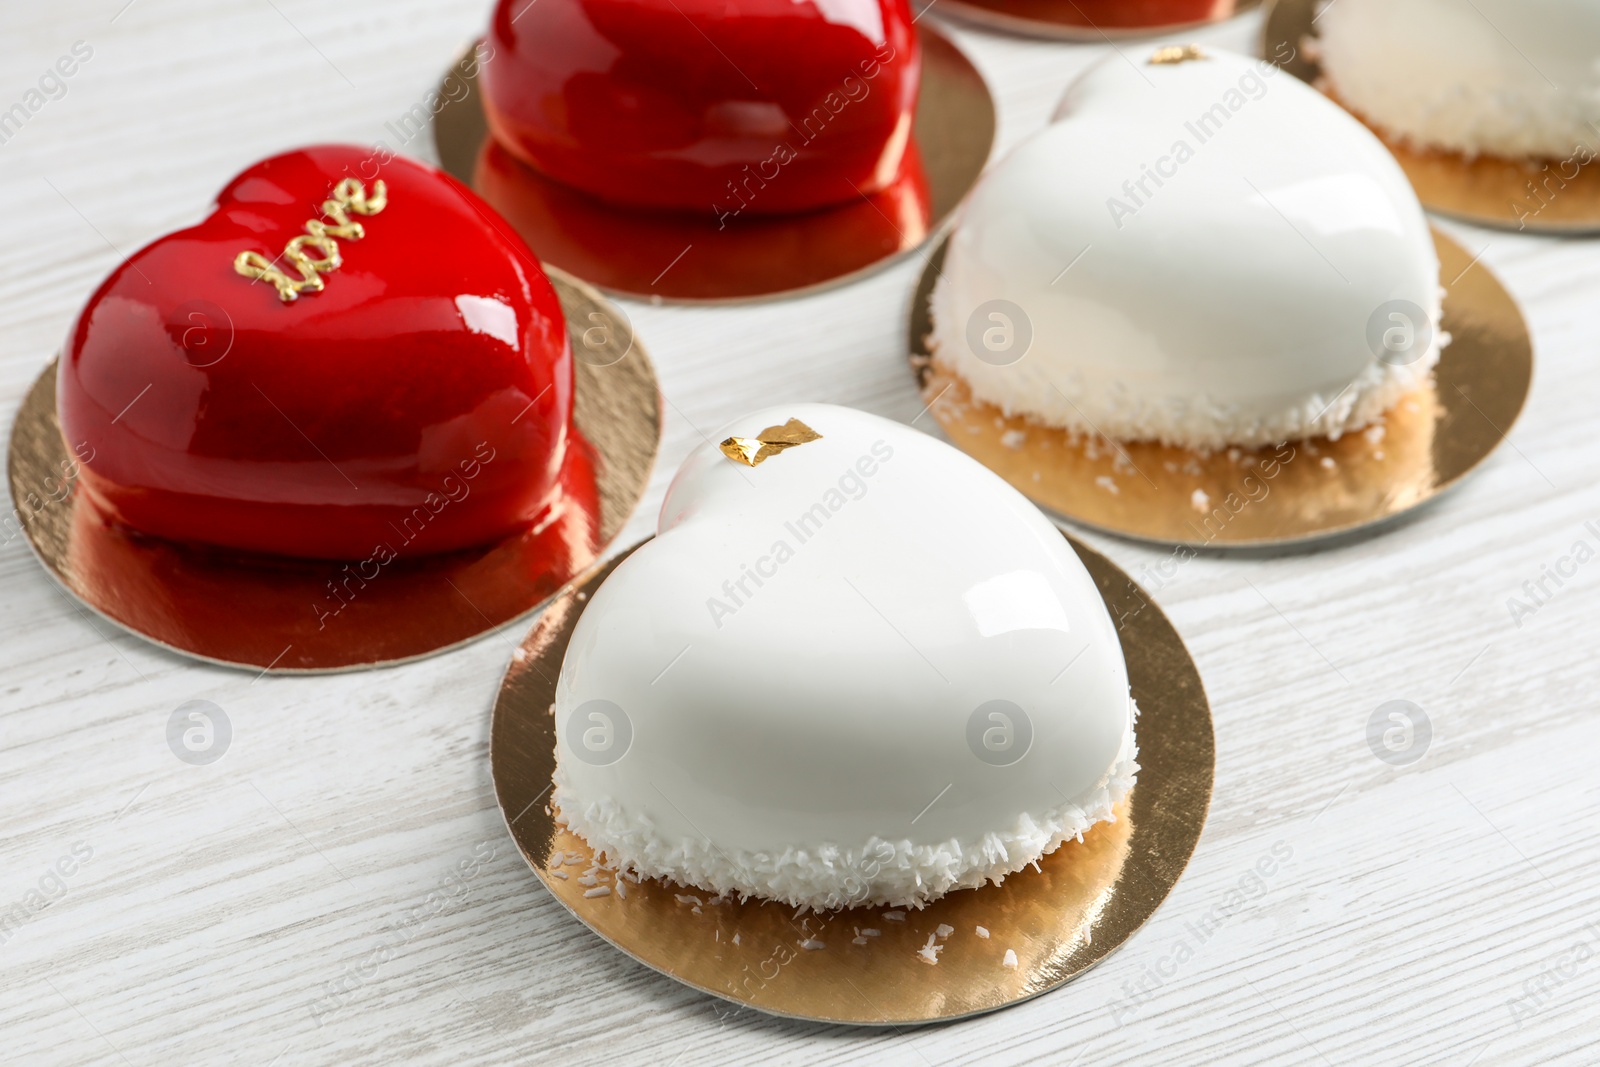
[
  {"x": 1505, "y": 77},
  {"x": 1200, "y": 282},
  {"x": 811, "y": 744}
]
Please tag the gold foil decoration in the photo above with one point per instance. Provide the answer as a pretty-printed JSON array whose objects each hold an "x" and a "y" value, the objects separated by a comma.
[
  {"x": 1176, "y": 53},
  {"x": 349, "y": 195},
  {"x": 753, "y": 451}
]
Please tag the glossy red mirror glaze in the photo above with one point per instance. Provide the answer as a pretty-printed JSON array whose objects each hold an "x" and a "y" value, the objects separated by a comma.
[
  {"x": 422, "y": 400},
  {"x": 764, "y": 106},
  {"x": 686, "y": 257},
  {"x": 1114, "y": 14}
]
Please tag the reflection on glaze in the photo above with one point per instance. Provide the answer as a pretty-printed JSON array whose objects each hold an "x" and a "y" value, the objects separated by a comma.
[
  {"x": 1102, "y": 15},
  {"x": 682, "y": 256}
]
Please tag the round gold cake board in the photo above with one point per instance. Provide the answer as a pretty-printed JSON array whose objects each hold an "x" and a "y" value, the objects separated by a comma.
[
  {"x": 1082, "y": 902},
  {"x": 686, "y": 258},
  {"x": 1534, "y": 196},
  {"x": 281, "y": 614},
  {"x": 1091, "y": 20},
  {"x": 1296, "y": 492}
]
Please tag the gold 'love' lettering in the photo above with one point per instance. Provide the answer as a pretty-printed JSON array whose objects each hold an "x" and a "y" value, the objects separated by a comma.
[{"x": 316, "y": 252}]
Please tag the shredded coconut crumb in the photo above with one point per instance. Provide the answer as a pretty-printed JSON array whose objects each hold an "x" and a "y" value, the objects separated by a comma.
[
  {"x": 598, "y": 891},
  {"x": 811, "y": 944},
  {"x": 559, "y": 874},
  {"x": 983, "y": 931},
  {"x": 895, "y": 916},
  {"x": 944, "y": 931},
  {"x": 1124, "y": 409},
  {"x": 1014, "y": 439},
  {"x": 930, "y": 951},
  {"x": 1010, "y": 960},
  {"x": 1108, "y": 483},
  {"x": 903, "y": 874},
  {"x": 1199, "y": 500}
]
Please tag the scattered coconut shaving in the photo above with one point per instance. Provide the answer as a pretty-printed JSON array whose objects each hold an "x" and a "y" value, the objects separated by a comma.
[
  {"x": 1044, "y": 390},
  {"x": 897, "y": 874}
]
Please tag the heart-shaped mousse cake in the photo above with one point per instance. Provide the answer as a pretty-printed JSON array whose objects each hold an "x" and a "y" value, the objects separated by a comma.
[
  {"x": 350, "y": 351},
  {"x": 853, "y": 667},
  {"x": 1513, "y": 78},
  {"x": 1200, "y": 250},
  {"x": 760, "y": 106}
]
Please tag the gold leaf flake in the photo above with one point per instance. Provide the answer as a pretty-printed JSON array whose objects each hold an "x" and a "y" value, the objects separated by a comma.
[
  {"x": 752, "y": 451},
  {"x": 1176, "y": 53}
]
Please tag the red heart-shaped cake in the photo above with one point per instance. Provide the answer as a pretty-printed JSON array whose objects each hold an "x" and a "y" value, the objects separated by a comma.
[
  {"x": 724, "y": 106},
  {"x": 350, "y": 351}
]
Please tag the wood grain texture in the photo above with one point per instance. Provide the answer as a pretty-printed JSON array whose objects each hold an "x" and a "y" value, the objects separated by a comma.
[{"x": 238, "y": 912}]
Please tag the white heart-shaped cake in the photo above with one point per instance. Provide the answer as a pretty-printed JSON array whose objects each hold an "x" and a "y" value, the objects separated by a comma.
[
  {"x": 864, "y": 670},
  {"x": 1200, "y": 250},
  {"x": 1506, "y": 77}
]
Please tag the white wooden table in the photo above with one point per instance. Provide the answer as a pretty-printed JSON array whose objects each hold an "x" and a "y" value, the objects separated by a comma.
[{"x": 1437, "y": 913}]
